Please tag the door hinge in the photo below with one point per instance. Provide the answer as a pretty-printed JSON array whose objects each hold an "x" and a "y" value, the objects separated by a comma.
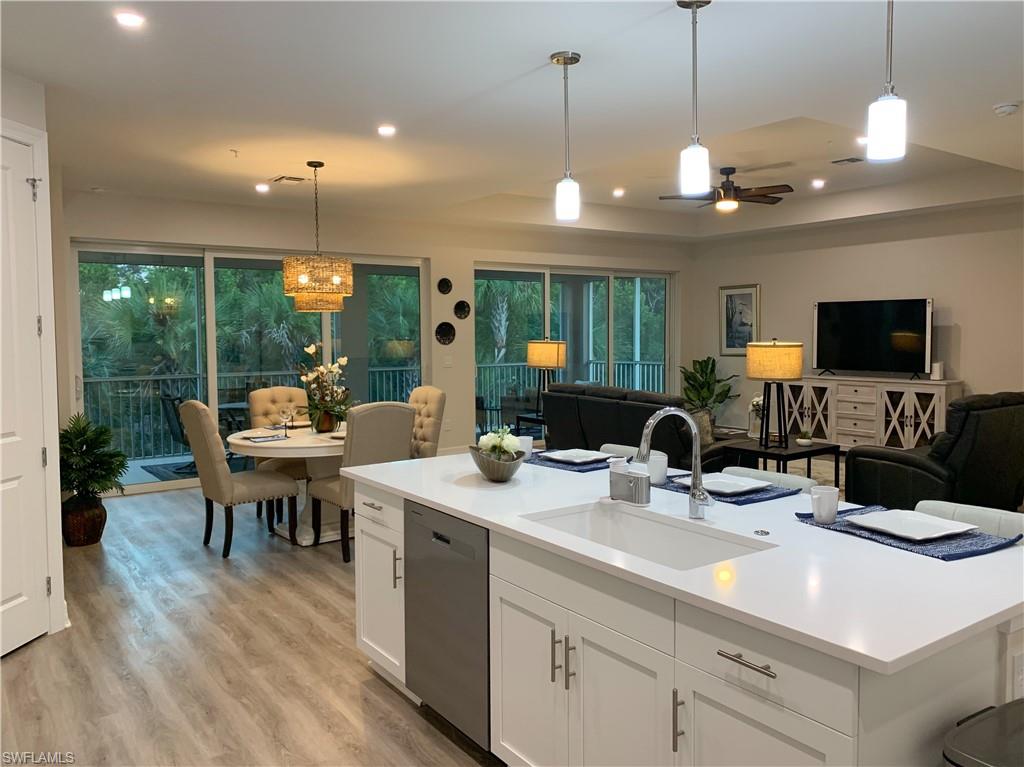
[
  {"x": 39, "y": 325},
  {"x": 44, "y": 457},
  {"x": 34, "y": 183},
  {"x": 49, "y": 586}
]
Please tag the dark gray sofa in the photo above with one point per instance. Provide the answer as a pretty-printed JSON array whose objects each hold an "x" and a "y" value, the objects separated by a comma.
[
  {"x": 588, "y": 416},
  {"x": 978, "y": 460}
]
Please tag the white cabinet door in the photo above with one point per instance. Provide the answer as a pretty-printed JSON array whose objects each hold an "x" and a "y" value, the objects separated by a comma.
[
  {"x": 727, "y": 726},
  {"x": 529, "y": 724},
  {"x": 620, "y": 698},
  {"x": 24, "y": 612},
  {"x": 380, "y": 596}
]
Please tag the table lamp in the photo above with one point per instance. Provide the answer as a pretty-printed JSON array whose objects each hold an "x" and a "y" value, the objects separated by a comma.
[
  {"x": 545, "y": 356},
  {"x": 774, "y": 362}
]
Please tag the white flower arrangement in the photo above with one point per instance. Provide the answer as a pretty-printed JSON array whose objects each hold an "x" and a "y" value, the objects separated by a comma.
[
  {"x": 757, "y": 405},
  {"x": 501, "y": 445}
]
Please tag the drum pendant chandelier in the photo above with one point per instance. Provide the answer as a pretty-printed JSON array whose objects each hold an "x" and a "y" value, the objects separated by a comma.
[{"x": 318, "y": 283}]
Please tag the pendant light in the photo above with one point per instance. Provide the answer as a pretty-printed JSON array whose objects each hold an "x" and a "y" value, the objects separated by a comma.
[
  {"x": 318, "y": 283},
  {"x": 887, "y": 116},
  {"x": 694, "y": 161},
  {"x": 567, "y": 191}
]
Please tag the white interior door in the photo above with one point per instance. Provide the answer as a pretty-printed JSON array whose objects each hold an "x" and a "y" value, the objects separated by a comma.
[{"x": 24, "y": 612}]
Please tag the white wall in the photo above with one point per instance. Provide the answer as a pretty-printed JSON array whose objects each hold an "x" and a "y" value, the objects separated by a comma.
[
  {"x": 446, "y": 251},
  {"x": 22, "y": 100},
  {"x": 970, "y": 261}
]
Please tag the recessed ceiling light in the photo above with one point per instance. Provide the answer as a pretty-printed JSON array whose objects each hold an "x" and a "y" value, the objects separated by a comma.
[
  {"x": 618, "y": 192},
  {"x": 387, "y": 130},
  {"x": 817, "y": 183},
  {"x": 130, "y": 19},
  {"x": 263, "y": 188},
  {"x": 862, "y": 140}
]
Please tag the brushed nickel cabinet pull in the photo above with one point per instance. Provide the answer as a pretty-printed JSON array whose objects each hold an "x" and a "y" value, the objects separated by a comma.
[
  {"x": 566, "y": 672},
  {"x": 554, "y": 666},
  {"x": 395, "y": 577},
  {"x": 374, "y": 506},
  {"x": 676, "y": 732},
  {"x": 766, "y": 669}
]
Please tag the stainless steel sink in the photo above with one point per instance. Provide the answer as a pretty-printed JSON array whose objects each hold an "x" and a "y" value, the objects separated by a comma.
[{"x": 669, "y": 541}]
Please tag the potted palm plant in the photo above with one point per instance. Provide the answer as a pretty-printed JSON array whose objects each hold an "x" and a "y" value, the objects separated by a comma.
[{"x": 89, "y": 467}]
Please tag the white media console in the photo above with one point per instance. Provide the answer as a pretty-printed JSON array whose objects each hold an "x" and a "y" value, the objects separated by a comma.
[{"x": 890, "y": 412}]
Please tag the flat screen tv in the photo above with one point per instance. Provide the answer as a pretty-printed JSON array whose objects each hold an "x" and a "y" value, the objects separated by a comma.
[{"x": 891, "y": 336}]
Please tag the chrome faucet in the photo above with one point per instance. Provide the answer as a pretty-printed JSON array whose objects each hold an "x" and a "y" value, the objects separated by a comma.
[{"x": 699, "y": 498}]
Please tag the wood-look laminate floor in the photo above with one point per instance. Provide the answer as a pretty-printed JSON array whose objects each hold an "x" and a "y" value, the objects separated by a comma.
[{"x": 177, "y": 656}]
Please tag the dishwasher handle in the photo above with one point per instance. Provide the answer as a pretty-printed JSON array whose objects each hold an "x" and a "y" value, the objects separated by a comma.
[{"x": 441, "y": 538}]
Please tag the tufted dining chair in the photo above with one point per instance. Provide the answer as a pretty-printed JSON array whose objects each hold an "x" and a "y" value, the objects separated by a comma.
[
  {"x": 377, "y": 432},
  {"x": 264, "y": 408},
  {"x": 221, "y": 486},
  {"x": 426, "y": 432}
]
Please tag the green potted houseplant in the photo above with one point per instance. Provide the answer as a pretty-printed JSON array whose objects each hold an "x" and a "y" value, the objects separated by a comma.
[
  {"x": 703, "y": 389},
  {"x": 89, "y": 467}
]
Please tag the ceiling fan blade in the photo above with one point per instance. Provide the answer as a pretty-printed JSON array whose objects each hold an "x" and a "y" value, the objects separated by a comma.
[
  {"x": 709, "y": 196},
  {"x": 763, "y": 199},
  {"x": 757, "y": 191},
  {"x": 705, "y": 204}
]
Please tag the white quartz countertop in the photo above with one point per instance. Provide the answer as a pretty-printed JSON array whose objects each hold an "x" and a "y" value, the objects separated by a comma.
[{"x": 873, "y": 605}]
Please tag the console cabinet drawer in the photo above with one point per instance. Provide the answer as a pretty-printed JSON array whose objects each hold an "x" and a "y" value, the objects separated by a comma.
[
  {"x": 808, "y": 682},
  {"x": 854, "y": 423},
  {"x": 846, "y": 441},
  {"x": 381, "y": 507},
  {"x": 857, "y": 391},
  {"x": 852, "y": 407}
]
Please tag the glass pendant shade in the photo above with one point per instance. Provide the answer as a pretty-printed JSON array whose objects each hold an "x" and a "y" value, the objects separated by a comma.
[
  {"x": 317, "y": 274},
  {"x": 694, "y": 170},
  {"x": 726, "y": 205},
  {"x": 567, "y": 200},
  {"x": 887, "y": 129},
  {"x": 319, "y": 302}
]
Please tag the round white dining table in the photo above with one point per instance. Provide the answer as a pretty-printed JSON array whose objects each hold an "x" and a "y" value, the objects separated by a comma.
[{"x": 322, "y": 453}]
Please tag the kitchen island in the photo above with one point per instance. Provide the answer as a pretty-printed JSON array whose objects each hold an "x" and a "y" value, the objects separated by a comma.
[{"x": 620, "y": 635}]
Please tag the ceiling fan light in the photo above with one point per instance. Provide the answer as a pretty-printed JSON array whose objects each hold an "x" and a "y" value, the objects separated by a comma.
[
  {"x": 887, "y": 129},
  {"x": 726, "y": 205},
  {"x": 567, "y": 200},
  {"x": 694, "y": 170}
]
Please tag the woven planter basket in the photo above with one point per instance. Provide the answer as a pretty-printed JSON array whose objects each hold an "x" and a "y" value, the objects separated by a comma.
[
  {"x": 495, "y": 470},
  {"x": 82, "y": 525}
]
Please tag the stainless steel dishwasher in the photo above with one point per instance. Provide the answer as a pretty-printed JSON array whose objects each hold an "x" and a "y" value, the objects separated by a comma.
[{"x": 446, "y": 618}]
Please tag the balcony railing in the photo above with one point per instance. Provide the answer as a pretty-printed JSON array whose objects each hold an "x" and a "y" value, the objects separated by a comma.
[{"x": 143, "y": 425}]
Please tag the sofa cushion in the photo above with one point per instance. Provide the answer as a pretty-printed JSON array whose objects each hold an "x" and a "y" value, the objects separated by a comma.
[
  {"x": 567, "y": 388},
  {"x": 599, "y": 419},
  {"x": 562, "y": 420},
  {"x": 608, "y": 392},
  {"x": 654, "y": 398}
]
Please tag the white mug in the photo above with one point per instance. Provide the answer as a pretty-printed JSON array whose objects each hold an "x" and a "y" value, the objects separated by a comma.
[
  {"x": 526, "y": 445},
  {"x": 657, "y": 467},
  {"x": 824, "y": 504}
]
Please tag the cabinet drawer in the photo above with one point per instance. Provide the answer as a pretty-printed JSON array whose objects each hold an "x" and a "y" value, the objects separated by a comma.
[
  {"x": 803, "y": 680},
  {"x": 856, "y": 391},
  {"x": 854, "y": 407},
  {"x": 380, "y": 507},
  {"x": 849, "y": 424},
  {"x": 846, "y": 441}
]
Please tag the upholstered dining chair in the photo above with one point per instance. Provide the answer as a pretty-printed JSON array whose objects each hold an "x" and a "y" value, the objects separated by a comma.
[
  {"x": 792, "y": 481},
  {"x": 378, "y": 432},
  {"x": 426, "y": 431},
  {"x": 221, "y": 486},
  {"x": 992, "y": 521},
  {"x": 264, "y": 410}
]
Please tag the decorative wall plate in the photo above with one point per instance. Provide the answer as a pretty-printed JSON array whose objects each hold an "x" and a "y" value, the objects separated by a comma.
[
  {"x": 444, "y": 286},
  {"x": 444, "y": 333},
  {"x": 462, "y": 309}
]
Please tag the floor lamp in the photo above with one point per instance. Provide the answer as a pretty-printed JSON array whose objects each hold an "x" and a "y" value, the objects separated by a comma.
[
  {"x": 544, "y": 356},
  {"x": 774, "y": 362}
]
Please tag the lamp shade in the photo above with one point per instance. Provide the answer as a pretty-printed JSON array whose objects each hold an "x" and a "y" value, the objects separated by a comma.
[
  {"x": 567, "y": 200},
  {"x": 317, "y": 274},
  {"x": 887, "y": 129},
  {"x": 694, "y": 170},
  {"x": 549, "y": 355},
  {"x": 775, "y": 360},
  {"x": 319, "y": 302}
]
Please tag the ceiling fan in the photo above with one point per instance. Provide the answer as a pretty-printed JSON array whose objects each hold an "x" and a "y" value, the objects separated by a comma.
[{"x": 729, "y": 195}]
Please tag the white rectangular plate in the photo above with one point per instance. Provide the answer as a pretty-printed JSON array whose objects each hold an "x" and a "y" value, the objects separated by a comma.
[
  {"x": 726, "y": 484},
  {"x": 577, "y": 456},
  {"x": 911, "y": 525}
]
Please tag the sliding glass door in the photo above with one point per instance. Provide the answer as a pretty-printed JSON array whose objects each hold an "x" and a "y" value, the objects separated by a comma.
[
  {"x": 379, "y": 332},
  {"x": 143, "y": 352},
  {"x": 579, "y": 316},
  {"x": 639, "y": 311}
]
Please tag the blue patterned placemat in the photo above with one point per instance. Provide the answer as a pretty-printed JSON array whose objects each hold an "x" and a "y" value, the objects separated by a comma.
[
  {"x": 744, "y": 499},
  {"x": 970, "y": 544},
  {"x": 538, "y": 459}
]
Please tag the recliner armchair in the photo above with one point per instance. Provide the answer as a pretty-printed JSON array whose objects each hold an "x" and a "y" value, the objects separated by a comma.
[{"x": 978, "y": 460}]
